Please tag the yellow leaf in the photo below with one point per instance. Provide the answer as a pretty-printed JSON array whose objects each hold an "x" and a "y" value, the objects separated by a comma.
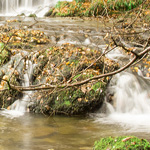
[
  {"x": 86, "y": 100},
  {"x": 67, "y": 63},
  {"x": 148, "y": 74},
  {"x": 41, "y": 102},
  {"x": 47, "y": 107},
  {"x": 8, "y": 108},
  {"x": 136, "y": 69},
  {"x": 106, "y": 36}
]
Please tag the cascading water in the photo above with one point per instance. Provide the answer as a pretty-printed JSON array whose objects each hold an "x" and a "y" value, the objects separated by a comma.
[
  {"x": 21, "y": 104},
  {"x": 16, "y": 7},
  {"x": 128, "y": 100},
  {"x": 19, "y": 107},
  {"x": 131, "y": 94}
]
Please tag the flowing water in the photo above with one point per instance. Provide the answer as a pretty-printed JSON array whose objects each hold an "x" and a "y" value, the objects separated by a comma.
[
  {"x": 129, "y": 114},
  {"x": 35, "y": 132},
  {"x": 131, "y": 103}
]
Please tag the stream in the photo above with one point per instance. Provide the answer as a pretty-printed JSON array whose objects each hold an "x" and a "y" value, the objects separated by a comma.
[
  {"x": 27, "y": 131},
  {"x": 32, "y": 132}
]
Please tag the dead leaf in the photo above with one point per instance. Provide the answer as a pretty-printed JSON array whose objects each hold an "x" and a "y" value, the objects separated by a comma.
[
  {"x": 83, "y": 89},
  {"x": 126, "y": 139},
  {"x": 79, "y": 99}
]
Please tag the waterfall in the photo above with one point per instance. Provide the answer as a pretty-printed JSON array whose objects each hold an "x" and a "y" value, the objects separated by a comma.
[
  {"x": 127, "y": 98},
  {"x": 127, "y": 103},
  {"x": 21, "y": 104},
  {"x": 16, "y": 7},
  {"x": 19, "y": 107},
  {"x": 131, "y": 94}
]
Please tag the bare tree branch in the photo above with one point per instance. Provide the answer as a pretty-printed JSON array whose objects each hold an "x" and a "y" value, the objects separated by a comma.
[{"x": 46, "y": 87}]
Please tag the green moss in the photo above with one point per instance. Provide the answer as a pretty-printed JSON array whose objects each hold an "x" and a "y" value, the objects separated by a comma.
[
  {"x": 98, "y": 85},
  {"x": 123, "y": 4},
  {"x": 122, "y": 143},
  {"x": 67, "y": 103},
  {"x": 4, "y": 54},
  {"x": 80, "y": 1},
  {"x": 61, "y": 4},
  {"x": 32, "y": 15}
]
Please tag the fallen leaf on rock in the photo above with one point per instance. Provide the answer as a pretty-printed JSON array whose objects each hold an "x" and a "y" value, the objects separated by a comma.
[
  {"x": 9, "y": 98},
  {"x": 41, "y": 102},
  {"x": 83, "y": 89},
  {"x": 79, "y": 99},
  {"x": 126, "y": 139},
  {"x": 47, "y": 107},
  {"x": 8, "y": 108},
  {"x": 39, "y": 97}
]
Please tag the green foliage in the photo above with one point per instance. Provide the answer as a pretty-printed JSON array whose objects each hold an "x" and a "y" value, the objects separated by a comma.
[
  {"x": 98, "y": 6},
  {"x": 123, "y": 4},
  {"x": 67, "y": 103},
  {"x": 122, "y": 143},
  {"x": 92, "y": 8},
  {"x": 61, "y": 4},
  {"x": 77, "y": 76},
  {"x": 96, "y": 86},
  {"x": 80, "y": 1}
]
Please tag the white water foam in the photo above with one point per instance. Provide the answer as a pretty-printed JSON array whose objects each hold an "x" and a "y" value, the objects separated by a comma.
[
  {"x": 131, "y": 103},
  {"x": 11, "y": 113}
]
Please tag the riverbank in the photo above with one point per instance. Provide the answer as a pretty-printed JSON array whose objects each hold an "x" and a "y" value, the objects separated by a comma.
[{"x": 98, "y": 8}]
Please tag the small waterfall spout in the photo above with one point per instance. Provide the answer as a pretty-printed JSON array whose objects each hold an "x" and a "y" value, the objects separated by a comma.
[
  {"x": 130, "y": 101},
  {"x": 131, "y": 94},
  {"x": 21, "y": 104},
  {"x": 19, "y": 107},
  {"x": 128, "y": 98}
]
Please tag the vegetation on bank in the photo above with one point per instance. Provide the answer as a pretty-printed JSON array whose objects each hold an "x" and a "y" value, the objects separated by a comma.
[
  {"x": 88, "y": 8},
  {"x": 122, "y": 143}
]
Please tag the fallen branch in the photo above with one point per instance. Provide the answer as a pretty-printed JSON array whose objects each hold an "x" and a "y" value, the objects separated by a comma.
[{"x": 46, "y": 87}]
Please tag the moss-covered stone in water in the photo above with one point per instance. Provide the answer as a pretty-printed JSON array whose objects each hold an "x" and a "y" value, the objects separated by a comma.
[
  {"x": 32, "y": 15},
  {"x": 122, "y": 143}
]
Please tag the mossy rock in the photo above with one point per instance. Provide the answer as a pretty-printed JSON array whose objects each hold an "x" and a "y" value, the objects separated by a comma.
[
  {"x": 122, "y": 143},
  {"x": 70, "y": 101},
  {"x": 32, "y": 15}
]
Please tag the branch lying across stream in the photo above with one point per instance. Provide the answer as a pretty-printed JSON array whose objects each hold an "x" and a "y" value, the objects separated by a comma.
[{"x": 46, "y": 87}]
